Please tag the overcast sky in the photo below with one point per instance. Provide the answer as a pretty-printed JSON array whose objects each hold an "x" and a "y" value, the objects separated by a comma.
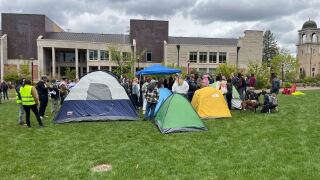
[{"x": 203, "y": 18}]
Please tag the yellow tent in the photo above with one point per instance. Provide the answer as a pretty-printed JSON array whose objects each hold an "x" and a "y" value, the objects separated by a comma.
[{"x": 210, "y": 103}]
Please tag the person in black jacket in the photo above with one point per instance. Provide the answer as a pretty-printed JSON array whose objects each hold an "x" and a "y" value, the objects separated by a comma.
[
  {"x": 42, "y": 89},
  {"x": 229, "y": 93},
  {"x": 5, "y": 88}
]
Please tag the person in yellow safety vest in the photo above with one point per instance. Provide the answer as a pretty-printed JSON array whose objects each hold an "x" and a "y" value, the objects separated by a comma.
[
  {"x": 30, "y": 101},
  {"x": 19, "y": 102}
]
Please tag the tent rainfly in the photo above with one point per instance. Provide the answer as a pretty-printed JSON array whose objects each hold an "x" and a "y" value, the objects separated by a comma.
[
  {"x": 157, "y": 69},
  {"x": 97, "y": 97}
]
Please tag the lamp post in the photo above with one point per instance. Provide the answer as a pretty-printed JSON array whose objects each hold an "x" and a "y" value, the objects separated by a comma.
[
  {"x": 282, "y": 72},
  {"x": 178, "y": 48},
  {"x": 310, "y": 60},
  {"x": 238, "y": 49}
]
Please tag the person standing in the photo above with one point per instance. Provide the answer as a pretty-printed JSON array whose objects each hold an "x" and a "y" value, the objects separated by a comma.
[
  {"x": 240, "y": 85},
  {"x": 19, "y": 102},
  {"x": 63, "y": 90},
  {"x": 229, "y": 93},
  {"x": 135, "y": 92},
  {"x": 192, "y": 87},
  {"x": 0, "y": 94},
  {"x": 152, "y": 97},
  {"x": 5, "y": 88},
  {"x": 275, "y": 84},
  {"x": 55, "y": 95},
  {"x": 252, "y": 81},
  {"x": 144, "y": 90},
  {"x": 180, "y": 86},
  {"x": 30, "y": 100},
  {"x": 42, "y": 89}
]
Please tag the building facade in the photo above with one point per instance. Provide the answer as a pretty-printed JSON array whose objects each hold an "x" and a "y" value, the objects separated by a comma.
[
  {"x": 37, "y": 39},
  {"x": 308, "y": 49}
]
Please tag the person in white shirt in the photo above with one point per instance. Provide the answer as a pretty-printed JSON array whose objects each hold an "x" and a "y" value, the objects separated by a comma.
[{"x": 180, "y": 86}]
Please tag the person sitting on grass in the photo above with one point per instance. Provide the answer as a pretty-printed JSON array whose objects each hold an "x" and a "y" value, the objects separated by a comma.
[
  {"x": 270, "y": 102},
  {"x": 251, "y": 100},
  {"x": 152, "y": 97}
]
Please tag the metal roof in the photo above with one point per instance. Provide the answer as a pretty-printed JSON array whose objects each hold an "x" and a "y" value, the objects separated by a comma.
[
  {"x": 203, "y": 41},
  {"x": 89, "y": 37}
]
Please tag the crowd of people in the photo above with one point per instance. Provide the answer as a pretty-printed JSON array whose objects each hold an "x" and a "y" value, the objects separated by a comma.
[
  {"x": 28, "y": 97},
  {"x": 144, "y": 93}
]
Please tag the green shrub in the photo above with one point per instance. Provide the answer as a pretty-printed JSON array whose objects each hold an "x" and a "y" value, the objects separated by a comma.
[{"x": 13, "y": 77}]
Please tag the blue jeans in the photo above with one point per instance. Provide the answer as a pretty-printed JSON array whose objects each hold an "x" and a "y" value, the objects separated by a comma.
[{"x": 150, "y": 110}]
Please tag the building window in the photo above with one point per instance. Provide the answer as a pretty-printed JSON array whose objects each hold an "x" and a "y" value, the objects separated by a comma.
[
  {"x": 203, "y": 57},
  {"x": 125, "y": 56},
  {"x": 149, "y": 56},
  {"x": 93, "y": 54},
  {"x": 212, "y": 57},
  {"x": 202, "y": 70},
  {"x": 212, "y": 70},
  {"x": 193, "y": 57},
  {"x": 104, "y": 55},
  {"x": 222, "y": 57}
]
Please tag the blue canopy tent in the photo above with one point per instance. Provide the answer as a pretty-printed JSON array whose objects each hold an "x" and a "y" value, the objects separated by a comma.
[{"x": 157, "y": 69}]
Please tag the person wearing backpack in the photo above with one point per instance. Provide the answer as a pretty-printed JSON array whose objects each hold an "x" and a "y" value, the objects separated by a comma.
[
  {"x": 152, "y": 97},
  {"x": 5, "y": 88},
  {"x": 192, "y": 86}
]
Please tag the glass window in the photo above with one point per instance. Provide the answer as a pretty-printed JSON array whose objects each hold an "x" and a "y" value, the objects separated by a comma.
[
  {"x": 149, "y": 56},
  {"x": 93, "y": 54},
  {"x": 202, "y": 70},
  {"x": 104, "y": 55},
  {"x": 203, "y": 57},
  {"x": 222, "y": 57},
  {"x": 193, "y": 57},
  {"x": 70, "y": 57},
  {"x": 212, "y": 70},
  {"x": 213, "y": 57},
  {"x": 125, "y": 56}
]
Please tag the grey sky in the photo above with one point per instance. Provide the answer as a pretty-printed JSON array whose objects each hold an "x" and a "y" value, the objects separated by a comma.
[{"x": 210, "y": 18}]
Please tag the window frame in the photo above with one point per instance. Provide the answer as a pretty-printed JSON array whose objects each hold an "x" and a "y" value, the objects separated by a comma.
[
  {"x": 223, "y": 61},
  {"x": 106, "y": 55},
  {"x": 193, "y": 54},
  {"x": 201, "y": 55},
  {"x": 148, "y": 52},
  {"x": 95, "y": 52},
  {"x": 216, "y": 59}
]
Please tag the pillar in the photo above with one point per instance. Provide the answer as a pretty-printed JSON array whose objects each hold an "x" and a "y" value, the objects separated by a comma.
[
  {"x": 77, "y": 63},
  {"x": 1, "y": 59},
  {"x": 40, "y": 62},
  {"x": 87, "y": 61},
  {"x": 53, "y": 63}
]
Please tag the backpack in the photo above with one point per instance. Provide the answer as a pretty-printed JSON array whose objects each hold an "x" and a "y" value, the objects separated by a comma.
[{"x": 192, "y": 86}]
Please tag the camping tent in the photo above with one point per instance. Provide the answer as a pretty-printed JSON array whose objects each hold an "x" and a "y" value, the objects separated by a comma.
[
  {"x": 236, "y": 101},
  {"x": 210, "y": 103},
  {"x": 177, "y": 115},
  {"x": 164, "y": 94},
  {"x": 98, "y": 96},
  {"x": 157, "y": 69}
]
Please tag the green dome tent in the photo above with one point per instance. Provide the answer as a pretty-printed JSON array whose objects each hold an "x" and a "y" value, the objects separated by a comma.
[{"x": 177, "y": 115}]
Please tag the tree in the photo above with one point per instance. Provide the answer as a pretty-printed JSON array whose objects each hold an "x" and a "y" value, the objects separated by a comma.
[
  {"x": 286, "y": 63},
  {"x": 70, "y": 74},
  {"x": 270, "y": 47},
  {"x": 226, "y": 70},
  {"x": 261, "y": 73},
  {"x": 24, "y": 71}
]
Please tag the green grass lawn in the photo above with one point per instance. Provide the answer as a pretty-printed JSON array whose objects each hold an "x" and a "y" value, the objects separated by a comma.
[{"x": 283, "y": 145}]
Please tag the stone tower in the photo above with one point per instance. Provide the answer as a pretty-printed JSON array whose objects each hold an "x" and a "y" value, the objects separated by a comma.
[{"x": 308, "y": 49}]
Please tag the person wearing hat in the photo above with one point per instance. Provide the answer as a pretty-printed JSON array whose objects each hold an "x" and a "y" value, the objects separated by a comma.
[
  {"x": 180, "y": 86},
  {"x": 30, "y": 100},
  {"x": 42, "y": 89},
  {"x": 152, "y": 97}
]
